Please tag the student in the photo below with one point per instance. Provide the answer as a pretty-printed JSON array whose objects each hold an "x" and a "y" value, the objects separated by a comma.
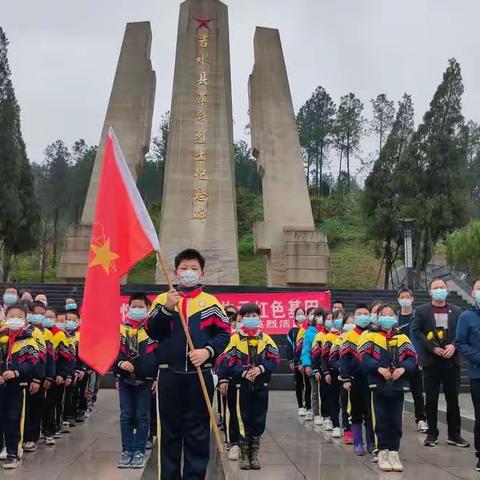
[
  {"x": 434, "y": 329},
  {"x": 315, "y": 326},
  {"x": 136, "y": 369},
  {"x": 249, "y": 360},
  {"x": 299, "y": 318},
  {"x": 355, "y": 382},
  {"x": 26, "y": 295},
  {"x": 21, "y": 354},
  {"x": 348, "y": 326},
  {"x": 185, "y": 419},
  {"x": 388, "y": 358},
  {"x": 71, "y": 304},
  {"x": 406, "y": 316},
  {"x": 41, "y": 297},
  {"x": 468, "y": 343},
  {"x": 42, "y": 381},
  {"x": 338, "y": 305}
]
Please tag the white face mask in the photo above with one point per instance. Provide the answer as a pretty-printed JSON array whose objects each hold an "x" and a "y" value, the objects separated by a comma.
[
  {"x": 188, "y": 278},
  {"x": 15, "y": 323}
]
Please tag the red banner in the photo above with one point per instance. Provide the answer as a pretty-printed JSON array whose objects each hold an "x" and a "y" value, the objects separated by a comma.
[{"x": 276, "y": 308}]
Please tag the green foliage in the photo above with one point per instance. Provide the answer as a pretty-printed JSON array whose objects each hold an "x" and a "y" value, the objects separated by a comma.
[
  {"x": 246, "y": 175},
  {"x": 144, "y": 272},
  {"x": 383, "y": 117},
  {"x": 249, "y": 210},
  {"x": 463, "y": 249}
]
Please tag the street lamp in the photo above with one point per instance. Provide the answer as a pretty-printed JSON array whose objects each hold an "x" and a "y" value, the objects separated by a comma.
[{"x": 407, "y": 228}]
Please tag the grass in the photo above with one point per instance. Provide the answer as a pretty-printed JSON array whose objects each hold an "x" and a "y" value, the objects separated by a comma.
[{"x": 252, "y": 269}]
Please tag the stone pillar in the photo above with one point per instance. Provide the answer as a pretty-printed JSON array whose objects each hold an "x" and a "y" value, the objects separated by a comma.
[
  {"x": 199, "y": 205},
  {"x": 296, "y": 254},
  {"x": 129, "y": 112}
]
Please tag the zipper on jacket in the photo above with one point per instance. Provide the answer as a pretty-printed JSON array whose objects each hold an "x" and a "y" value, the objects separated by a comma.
[{"x": 186, "y": 341}]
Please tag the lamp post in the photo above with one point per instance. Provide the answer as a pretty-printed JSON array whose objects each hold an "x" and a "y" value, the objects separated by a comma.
[{"x": 407, "y": 228}]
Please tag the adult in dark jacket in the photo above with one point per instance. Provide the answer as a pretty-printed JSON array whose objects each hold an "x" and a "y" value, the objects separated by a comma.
[
  {"x": 434, "y": 329},
  {"x": 468, "y": 344}
]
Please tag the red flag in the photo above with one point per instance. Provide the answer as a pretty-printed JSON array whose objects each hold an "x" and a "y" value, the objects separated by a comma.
[{"x": 122, "y": 234}]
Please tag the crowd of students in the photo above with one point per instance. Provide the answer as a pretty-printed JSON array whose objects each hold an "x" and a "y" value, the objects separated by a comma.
[{"x": 45, "y": 389}]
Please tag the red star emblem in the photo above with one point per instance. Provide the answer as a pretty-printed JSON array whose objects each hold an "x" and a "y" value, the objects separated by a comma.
[{"x": 203, "y": 21}]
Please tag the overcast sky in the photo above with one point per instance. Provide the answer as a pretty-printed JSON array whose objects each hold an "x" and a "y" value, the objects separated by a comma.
[{"x": 63, "y": 54}]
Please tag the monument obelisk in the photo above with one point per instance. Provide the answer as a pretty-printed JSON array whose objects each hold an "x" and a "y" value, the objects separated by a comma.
[
  {"x": 199, "y": 205},
  {"x": 296, "y": 253},
  {"x": 129, "y": 112}
]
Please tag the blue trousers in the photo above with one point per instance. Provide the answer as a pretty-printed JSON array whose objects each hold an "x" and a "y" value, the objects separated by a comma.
[
  {"x": 134, "y": 415},
  {"x": 388, "y": 419}
]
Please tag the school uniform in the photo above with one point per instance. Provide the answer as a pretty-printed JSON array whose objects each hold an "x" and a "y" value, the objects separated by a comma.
[
  {"x": 344, "y": 395},
  {"x": 388, "y": 350},
  {"x": 297, "y": 360},
  {"x": 298, "y": 379},
  {"x": 21, "y": 354},
  {"x": 184, "y": 416}
]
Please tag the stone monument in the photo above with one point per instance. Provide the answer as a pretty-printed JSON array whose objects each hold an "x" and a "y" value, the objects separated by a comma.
[
  {"x": 199, "y": 205},
  {"x": 297, "y": 255},
  {"x": 129, "y": 112}
]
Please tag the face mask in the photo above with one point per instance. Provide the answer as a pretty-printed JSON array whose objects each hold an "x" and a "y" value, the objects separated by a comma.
[
  {"x": 338, "y": 323},
  {"x": 48, "y": 322},
  {"x": 348, "y": 327},
  {"x": 251, "y": 322},
  {"x": 71, "y": 306},
  {"x": 14, "y": 323},
  {"x": 70, "y": 325},
  {"x": 319, "y": 320},
  {"x": 300, "y": 318},
  {"x": 10, "y": 298},
  {"x": 363, "y": 321},
  {"x": 36, "y": 319},
  {"x": 477, "y": 296},
  {"x": 188, "y": 278},
  {"x": 374, "y": 319},
  {"x": 137, "y": 313},
  {"x": 405, "y": 302},
  {"x": 328, "y": 324},
  {"x": 387, "y": 322},
  {"x": 60, "y": 326},
  {"x": 439, "y": 294}
]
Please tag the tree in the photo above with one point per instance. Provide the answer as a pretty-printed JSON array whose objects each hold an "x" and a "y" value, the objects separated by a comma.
[
  {"x": 315, "y": 123},
  {"x": 432, "y": 174},
  {"x": 246, "y": 175},
  {"x": 383, "y": 117},
  {"x": 379, "y": 201},
  {"x": 349, "y": 128},
  {"x": 463, "y": 249},
  {"x": 18, "y": 209}
]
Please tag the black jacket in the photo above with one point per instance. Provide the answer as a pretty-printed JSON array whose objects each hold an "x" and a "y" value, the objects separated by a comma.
[{"x": 424, "y": 323}]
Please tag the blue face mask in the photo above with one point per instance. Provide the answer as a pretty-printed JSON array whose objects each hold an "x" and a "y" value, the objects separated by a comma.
[
  {"x": 48, "y": 322},
  {"x": 374, "y": 319},
  {"x": 363, "y": 321},
  {"x": 10, "y": 298},
  {"x": 137, "y": 313},
  {"x": 405, "y": 302},
  {"x": 477, "y": 297},
  {"x": 251, "y": 322},
  {"x": 71, "y": 306},
  {"x": 318, "y": 320},
  {"x": 70, "y": 325},
  {"x": 338, "y": 323},
  {"x": 387, "y": 322},
  {"x": 348, "y": 327},
  {"x": 439, "y": 294},
  {"x": 36, "y": 319},
  {"x": 328, "y": 324}
]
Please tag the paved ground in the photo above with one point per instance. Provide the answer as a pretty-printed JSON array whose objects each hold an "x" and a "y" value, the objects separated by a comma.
[{"x": 290, "y": 451}]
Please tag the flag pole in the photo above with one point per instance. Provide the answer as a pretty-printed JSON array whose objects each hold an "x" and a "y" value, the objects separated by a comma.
[{"x": 213, "y": 420}]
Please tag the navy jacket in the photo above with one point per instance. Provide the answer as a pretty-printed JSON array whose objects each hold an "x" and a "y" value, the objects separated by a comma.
[{"x": 467, "y": 340}]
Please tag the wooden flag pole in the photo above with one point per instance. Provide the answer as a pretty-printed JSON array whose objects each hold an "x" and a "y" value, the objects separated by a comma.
[{"x": 213, "y": 420}]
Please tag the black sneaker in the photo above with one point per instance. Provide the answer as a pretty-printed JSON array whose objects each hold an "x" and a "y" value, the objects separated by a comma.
[
  {"x": 477, "y": 468},
  {"x": 458, "y": 442},
  {"x": 430, "y": 441}
]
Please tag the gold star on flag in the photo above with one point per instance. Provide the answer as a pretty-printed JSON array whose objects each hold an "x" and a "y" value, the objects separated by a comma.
[{"x": 103, "y": 256}]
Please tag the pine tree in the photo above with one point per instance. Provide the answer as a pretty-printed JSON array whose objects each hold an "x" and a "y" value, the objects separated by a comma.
[{"x": 383, "y": 117}]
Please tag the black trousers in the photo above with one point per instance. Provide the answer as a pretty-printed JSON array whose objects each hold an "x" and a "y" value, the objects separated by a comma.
[
  {"x": 333, "y": 400},
  {"x": 323, "y": 398},
  {"x": 252, "y": 407},
  {"x": 416, "y": 387},
  {"x": 388, "y": 419},
  {"x": 231, "y": 427},
  {"x": 12, "y": 416},
  {"x": 185, "y": 425},
  {"x": 307, "y": 391},
  {"x": 298, "y": 380},
  {"x": 475, "y": 392},
  {"x": 34, "y": 413},
  {"x": 445, "y": 373},
  {"x": 344, "y": 400},
  {"x": 360, "y": 402},
  {"x": 52, "y": 418}
]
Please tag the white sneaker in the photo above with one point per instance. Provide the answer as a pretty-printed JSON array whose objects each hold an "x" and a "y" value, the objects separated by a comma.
[
  {"x": 309, "y": 416},
  {"x": 327, "y": 425},
  {"x": 395, "y": 462},
  {"x": 317, "y": 420},
  {"x": 234, "y": 453},
  {"x": 383, "y": 461},
  {"x": 422, "y": 426},
  {"x": 49, "y": 441},
  {"x": 3, "y": 454},
  {"x": 302, "y": 412},
  {"x": 337, "y": 433}
]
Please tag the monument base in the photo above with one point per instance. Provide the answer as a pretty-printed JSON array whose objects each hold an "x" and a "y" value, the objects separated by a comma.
[{"x": 73, "y": 262}]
